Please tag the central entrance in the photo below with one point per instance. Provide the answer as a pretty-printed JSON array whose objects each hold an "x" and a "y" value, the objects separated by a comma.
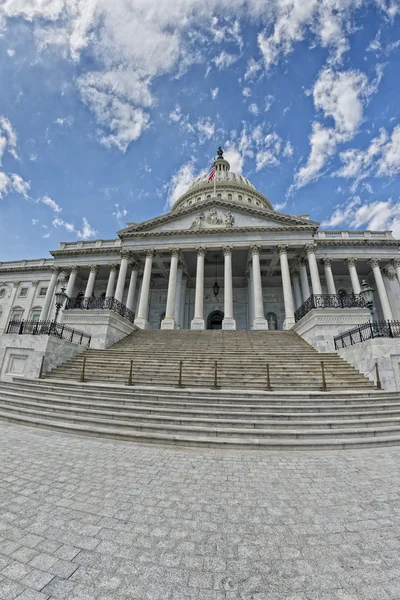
[{"x": 214, "y": 320}]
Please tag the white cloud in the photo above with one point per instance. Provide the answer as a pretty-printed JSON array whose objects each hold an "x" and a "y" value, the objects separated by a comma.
[
  {"x": 33, "y": 156},
  {"x": 268, "y": 102},
  {"x": 214, "y": 93},
  {"x": 270, "y": 152},
  {"x": 120, "y": 213},
  {"x": 4, "y": 184},
  {"x": 20, "y": 186},
  {"x": 51, "y": 203},
  {"x": 235, "y": 159},
  {"x": 253, "y": 67},
  {"x": 267, "y": 148},
  {"x": 206, "y": 129},
  {"x": 246, "y": 92},
  {"x": 340, "y": 96},
  {"x": 180, "y": 182},
  {"x": 35, "y": 221},
  {"x": 87, "y": 230},
  {"x": 224, "y": 60},
  {"x": 10, "y": 52},
  {"x": 8, "y": 138},
  {"x": 381, "y": 158},
  {"x": 377, "y": 215},
  {"x": 64, "y": 121},
  {"x": 253, "y": 108}
]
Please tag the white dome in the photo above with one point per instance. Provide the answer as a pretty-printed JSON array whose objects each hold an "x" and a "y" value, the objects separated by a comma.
[{"x": 230, "y": 187}]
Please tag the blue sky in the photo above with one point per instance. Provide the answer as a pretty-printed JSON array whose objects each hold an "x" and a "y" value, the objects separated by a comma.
[{"x": 108, "y": 110}]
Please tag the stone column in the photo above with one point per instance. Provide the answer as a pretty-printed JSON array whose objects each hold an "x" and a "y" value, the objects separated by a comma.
[
  {"x": 91, "y": 281},
  {"x": 178, "y": 297},
  {"x": 383, "y": 298},
  {"x": 396, "y": 264},
  {"x": 259, "y": 321},
  {"x": 132, "y": 287},
  {"x": 312, "y": 263},
  {"x": 198, "y": 320},
  {"x": 250, "y": 289},
  {"x": 141, "y": 319},
  {"x": 49, "y": 294},
  {"x": 71, "y": 281},
  {"x": 140, "y": 275},
  {"x": 183, "y": 301},
  {"x": 32, "y": 293},
  {"x": 329, "y": 276},
  {"x": 392, "y": 290},
  {"x": 169, "y": 321},
  {"x": 12, "y": 298},
  {"x": 305, "y": 288},
  {"x": 111, "y": 281},
  {"x": 119, "y": 291},
  {"x": 228, "y": 321},
  {"x": 287, "y": 287},
  {"x": 296, "y": 287},
  {"x": 355, "y": 283}
]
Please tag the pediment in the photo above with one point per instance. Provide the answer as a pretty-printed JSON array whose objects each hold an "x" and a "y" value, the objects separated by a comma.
[{"x": 217, "y": 215}]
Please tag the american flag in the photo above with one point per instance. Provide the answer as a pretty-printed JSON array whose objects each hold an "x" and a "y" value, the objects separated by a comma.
[{"x": 211, "y": 174}]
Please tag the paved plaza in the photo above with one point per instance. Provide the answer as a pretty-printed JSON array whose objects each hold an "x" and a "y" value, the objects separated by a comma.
[{"x": 83, "y": 519}]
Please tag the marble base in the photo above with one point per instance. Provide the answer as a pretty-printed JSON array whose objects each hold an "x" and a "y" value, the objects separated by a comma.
[
  {"x": 168, "y": 323},
  {"x": 288, "y": 323},
  {"x": 384, "y": 351},
  {"x": 21, "y": 355},
  {"x": 198, "y": 324},
  {"x": 105, "y": 326},
  {"x": 229, "y": 323},
  {"x": 141, "y": 323},
  {"x": 321, "y": 325},
  {"x": 260, "y": 324}
]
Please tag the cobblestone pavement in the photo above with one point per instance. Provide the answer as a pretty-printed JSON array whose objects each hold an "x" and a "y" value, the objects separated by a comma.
[{"x": 83, "y": 519}]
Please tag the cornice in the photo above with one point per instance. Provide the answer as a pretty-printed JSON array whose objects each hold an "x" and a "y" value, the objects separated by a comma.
[
  {"x": 173, "y": 216},
  {"x": 25, "y": 269},
  {"x": 321, "y": 242},
  {"x": 215, "y": 231},
  {"x": 80, "y": 251}
]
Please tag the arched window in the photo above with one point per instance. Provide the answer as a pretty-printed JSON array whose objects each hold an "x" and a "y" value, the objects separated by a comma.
[
  {"x": 229, "y": 196},
  {"x": 199, "y": 199},
  {"x": 208, "y": 196},
  {"x": 17, "y": 313},
  {"x": 35, "y": 313},
  {"x": 249, "y": 200},
  {"x": 240, "y": 198},
  {"x": 219, "y": 196}
]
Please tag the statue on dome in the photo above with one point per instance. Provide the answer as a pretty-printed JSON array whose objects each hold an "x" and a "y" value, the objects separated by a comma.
[{"x": 220, "y": 152}]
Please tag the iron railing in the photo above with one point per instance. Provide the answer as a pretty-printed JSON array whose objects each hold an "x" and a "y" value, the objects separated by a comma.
[
  {"x": 329, "y": 301},
  {"x": 367, "y": 331},
  {"x": 92, "y": 303},
  {"x": 63, "y": 332}
]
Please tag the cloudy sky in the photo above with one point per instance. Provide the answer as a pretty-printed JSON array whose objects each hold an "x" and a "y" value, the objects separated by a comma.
[{"x": 108, "y": 110}]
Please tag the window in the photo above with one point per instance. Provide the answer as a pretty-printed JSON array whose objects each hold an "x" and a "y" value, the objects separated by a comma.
[
  {"x": 219, "y": 196},
  {"x": 240, "y": 198},
  {"x": 209, "y": 196},
  {"x": 42, "y": 291},
  {"x": 342, "y": 293},
  {"x": 249, "y": 200},
  {"x": 17, "y": 314},
  {"x": 229, "y": 196},
  {"x": 23, "y": 292},
  {"x": 35, "y": 314},
  {"x": 198, "y": 199}
]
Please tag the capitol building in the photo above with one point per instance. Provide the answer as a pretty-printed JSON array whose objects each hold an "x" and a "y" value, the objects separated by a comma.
[{"x": 223, "y": 260}]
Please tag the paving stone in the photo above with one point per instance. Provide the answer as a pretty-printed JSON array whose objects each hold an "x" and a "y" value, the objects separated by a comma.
[{"x": 98, "y": 520}]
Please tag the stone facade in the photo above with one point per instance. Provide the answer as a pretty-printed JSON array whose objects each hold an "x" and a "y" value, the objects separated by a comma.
[{"x": 221, "y": 258}]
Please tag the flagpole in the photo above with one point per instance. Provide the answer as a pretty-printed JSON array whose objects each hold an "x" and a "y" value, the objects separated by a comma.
[{"x": 215, "y": 181}]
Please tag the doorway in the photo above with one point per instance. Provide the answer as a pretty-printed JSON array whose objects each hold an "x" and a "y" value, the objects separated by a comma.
[{"x": 214, "y": 320}]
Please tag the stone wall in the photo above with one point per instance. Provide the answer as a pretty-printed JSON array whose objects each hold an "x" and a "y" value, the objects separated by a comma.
[
  {"x": 21, "y": 355},
  {"x": 105, "y": 326},
  {"x": 384, "y": 351}
]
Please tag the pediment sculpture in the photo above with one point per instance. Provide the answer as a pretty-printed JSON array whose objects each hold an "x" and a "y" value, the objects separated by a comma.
[{"x": 213, "y": 218}]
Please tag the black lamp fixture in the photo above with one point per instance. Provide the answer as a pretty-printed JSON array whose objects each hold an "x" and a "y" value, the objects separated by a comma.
[
  {"x": 61, "y": 296},
  {"x": 367, "y": 294},
  {"x": 216, "y": 286}
]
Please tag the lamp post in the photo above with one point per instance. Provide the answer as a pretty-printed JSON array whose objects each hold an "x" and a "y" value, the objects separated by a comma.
[
  {"x": 61, "y": 296},
  {"x": 367, "y": 293}
]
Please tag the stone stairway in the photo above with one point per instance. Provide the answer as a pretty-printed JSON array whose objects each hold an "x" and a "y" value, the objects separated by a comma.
[
  {"x": 207, "y": 418},
  {"x": 242, "y": 358}
]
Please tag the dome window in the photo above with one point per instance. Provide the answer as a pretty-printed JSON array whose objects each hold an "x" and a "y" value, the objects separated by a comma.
[
  {"x": 219, "y": 196},
  {"x": 208, "y": 196},
  {"x": 229, "y": 196},
  {"x": 240, "y": 198},
  {"x": 249, "y": 200},
  {"x": 199, "y": 199}
]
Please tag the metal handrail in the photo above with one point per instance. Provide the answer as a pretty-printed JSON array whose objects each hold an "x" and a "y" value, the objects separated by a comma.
[
  {"x": 329, "y": 301},
  {"x": 53, "y": 328},
  {"x": 92, "y": 303},
  {"x": 367, "y": 331}
]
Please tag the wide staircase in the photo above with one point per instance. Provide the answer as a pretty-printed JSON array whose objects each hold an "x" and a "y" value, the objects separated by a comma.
[
  {"x": 238, "y": 413},
  {"x": 228, "y": 359}
]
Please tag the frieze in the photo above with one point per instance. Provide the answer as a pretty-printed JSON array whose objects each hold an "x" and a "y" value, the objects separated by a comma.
[{"x": 213, "y": 218}]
